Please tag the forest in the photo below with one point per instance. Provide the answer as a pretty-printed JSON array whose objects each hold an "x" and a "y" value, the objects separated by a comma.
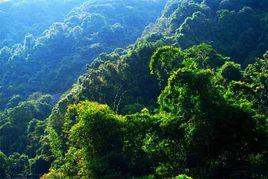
[{"x": 134, "y": 89}]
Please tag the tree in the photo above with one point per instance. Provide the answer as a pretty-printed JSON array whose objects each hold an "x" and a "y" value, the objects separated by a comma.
[
  {"x": 3, "y": 165},
  {"x": 212, "y": 134},
  {"x": 18, "y": 165},
  {"x": 256, "y": 75},
  {"x": 164, "y": 61},
  {"x": 95, "y": 139},
  {"x": 231, "y": 71}
]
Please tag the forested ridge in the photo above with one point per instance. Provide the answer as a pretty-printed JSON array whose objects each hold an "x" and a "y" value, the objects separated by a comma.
[
  {"x": 36, "y": 71},
  {"x": 187, "y": 99},
  {"x": 30, "y": 17},
  {"x": 63, "y": 50}
]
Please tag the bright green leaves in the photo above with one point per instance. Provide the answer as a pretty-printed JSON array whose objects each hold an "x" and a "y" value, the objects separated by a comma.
[
  {"x": 54, "y": 142},
  {"x": 207, "y": 115},
  {"x": 204, "y": 123},
  {"x": 164, "y": 61},
  {"x": 206, "y": 56},
  {"x": 168, "y": 59},
  {"x": 95, "y": 139},
  {"x": 95, "y": 121},
  {"x": 210, "y": 121},
  {"x": 183, "y": 177},
  {"x": 257, "y": 75},
  {"x": 185, "y": 89}
]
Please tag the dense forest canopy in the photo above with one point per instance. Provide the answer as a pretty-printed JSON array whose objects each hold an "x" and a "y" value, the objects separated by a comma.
[
  {"x": 51, "y": 62},
  {"x": 181, "y": 93},
  {"x": 30, "y": 17}
]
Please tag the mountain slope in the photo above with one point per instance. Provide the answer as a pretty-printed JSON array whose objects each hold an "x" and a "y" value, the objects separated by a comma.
[
  {"x": 50, "y": 63},
  {"x": 21, "y": 17},
  {"x": 131, "y": 66},
  {"x": 235, "y": 28},
  {"x": 196, "y": 99}
]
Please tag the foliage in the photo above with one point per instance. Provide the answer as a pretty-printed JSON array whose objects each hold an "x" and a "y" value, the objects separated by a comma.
[
  {"x": 21, "y": 129},
  {"x": 30, "y": 17},
  {"x": 51, "y": 62},
  {"x": 95, "y": 142},
  {"x": 234, "y": 28},
  {"x": 195, "y": 130},
  {"x": 3, "y": 165},
  {"x": 171, "y": 105},
  {"x": 231, "y": 71},
  {"x": 41, "y": 51}
]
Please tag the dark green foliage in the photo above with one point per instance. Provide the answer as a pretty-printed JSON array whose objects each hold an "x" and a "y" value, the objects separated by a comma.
[
  {"x": 168, "y": 106},
  {"x": 38, "y": 166},
  {"x": 17, "y": 121},
  {"x": 164, "y": 61},
  {"x": 201, "y": 128},
  {"x": 231, "y": 71},
  {"x": 18, "y": 165},
  {"x": 204, "y": 124},
  {"x": 211, "y": 124},
  {"x": 21, "y": 129},
  {"x": 235, "y": 28},
  {"x": 51, "y": 62},
  {"x": 3, "y": 165},
  {"x": 257, "y": 75}
]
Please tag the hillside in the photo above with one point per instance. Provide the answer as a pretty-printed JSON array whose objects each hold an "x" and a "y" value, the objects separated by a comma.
[
  {"x": 124, "y": 81},
  {"x": 187, "y": 99},
  {"x": 30, "y": 17},
  {"x": 51, "y": 62},
  {"x": 34, "y": 74}
]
